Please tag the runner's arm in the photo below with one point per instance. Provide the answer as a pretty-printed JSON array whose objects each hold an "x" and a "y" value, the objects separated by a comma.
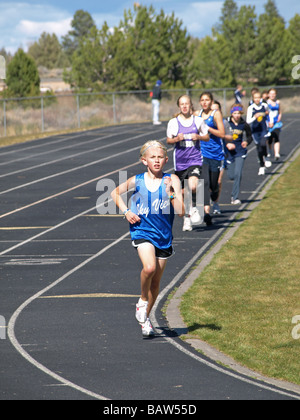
[
  {"x": 220, "y": 131},
  {"x": 116, "y": 195}
]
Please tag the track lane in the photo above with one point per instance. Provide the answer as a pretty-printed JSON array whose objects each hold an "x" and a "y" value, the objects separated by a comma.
[{"x": 110, "y": 269}]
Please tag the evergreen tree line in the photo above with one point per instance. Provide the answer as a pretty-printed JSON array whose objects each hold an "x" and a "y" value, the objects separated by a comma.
[{"x": 146, "y": 46}]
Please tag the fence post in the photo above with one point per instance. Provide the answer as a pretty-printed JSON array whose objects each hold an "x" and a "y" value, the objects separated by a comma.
[
  {"x": 114, "y": 108},
  {"x": 225, "y": 101},
  {"x": 4, "y": 117},
  {"x": 78, "y": 110},
  {"x": 42, "y": 112}
]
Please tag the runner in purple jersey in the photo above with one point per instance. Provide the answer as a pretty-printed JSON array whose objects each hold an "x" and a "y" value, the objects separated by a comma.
[{"x": 186, "y": 131}]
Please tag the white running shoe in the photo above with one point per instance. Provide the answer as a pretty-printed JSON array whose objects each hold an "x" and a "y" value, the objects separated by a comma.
[
  {"x": 147, "y": 329},
  {"x": 195, "y": 216},
  {"x": 262, "y": 171},
  {"x": 141, "y": 311},
  {"x": 236, "y": 202},
  {"x": 216, "y": 208},
  {"x": 187, "y": 225},
  {"x": 268, "y": 164}
]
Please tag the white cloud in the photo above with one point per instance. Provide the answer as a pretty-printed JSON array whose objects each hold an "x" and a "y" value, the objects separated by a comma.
[
  {"x": 35, "y": 29},
  {"x": 200, "y": 17},
  {"x": 22, "y": 23}
]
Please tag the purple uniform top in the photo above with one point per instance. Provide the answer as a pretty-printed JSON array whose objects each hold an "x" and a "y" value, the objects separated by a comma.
[{"x": 187, "y": 153}]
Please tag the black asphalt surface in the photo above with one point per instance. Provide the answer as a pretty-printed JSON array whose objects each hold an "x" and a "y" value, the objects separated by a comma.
[{"x": 70, "y": 277}]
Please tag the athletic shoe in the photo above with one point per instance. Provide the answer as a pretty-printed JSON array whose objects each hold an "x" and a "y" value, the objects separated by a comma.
[
  {"x": 187, "y": 225},
  {"x": 236, "y": 202},
  {"x": 262, "y": 171},
  {"x": 147, "y": 329},
  {"x": 277, "y": 157},
  {"x": 216, "y": 208},
  {"x": 157, "y": 123},
  {"x": 195, "y": 216},
  {"x": 268, "y": 164},
  {"x": 208, "y": 219},
  {"x": 141, "y": 311}
]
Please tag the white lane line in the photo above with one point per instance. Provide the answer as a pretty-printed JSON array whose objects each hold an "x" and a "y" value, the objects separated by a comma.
[
  {"x": 12, "y": 323},
  {"x": 117, "y": 143},
  {"x": 65, "y": 221},
  {"x": 69, "y": 189},
  {"x": 50, "y": 142},
  {"x": 44, "y": 142},
  {"x": 21, "y": 159},
  {"x": 72, "y": 188},
  {"x": 70, "y": 146},
  {"x": 90, "y": 296}
]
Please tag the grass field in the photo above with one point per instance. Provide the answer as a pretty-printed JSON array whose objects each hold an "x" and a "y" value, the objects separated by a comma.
[{"x": 244, "y": 301}]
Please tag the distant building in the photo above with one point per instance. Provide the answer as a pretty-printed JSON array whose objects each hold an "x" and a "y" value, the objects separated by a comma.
[
  {"x": 55, "y": 85},
  {"x": 2, "y": 85}
]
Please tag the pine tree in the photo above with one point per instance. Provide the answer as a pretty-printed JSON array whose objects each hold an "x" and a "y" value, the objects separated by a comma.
[
  {"x": 227, "y": 25},
  {"x": 212, "y": 63},
  {"x": 22, "y": 77},
  {"x": 47, "y": 52},
  {"x": 271, "y": 47},
  {"x": 89, "y": 61},
  {"x": 243, "y": 44},
  {"x": 144, "y": 47},
  {"x": 82, "y": 25}
]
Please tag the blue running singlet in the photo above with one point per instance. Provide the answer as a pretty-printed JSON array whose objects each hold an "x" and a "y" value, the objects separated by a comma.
[
  {"x": 213, "y": 149},
  {"x": 156, "y": 213},
  {"x": 274, "y": 112}
]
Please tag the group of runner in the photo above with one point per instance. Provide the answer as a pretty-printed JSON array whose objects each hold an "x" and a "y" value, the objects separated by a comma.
[{"x": 204, "y": 145}]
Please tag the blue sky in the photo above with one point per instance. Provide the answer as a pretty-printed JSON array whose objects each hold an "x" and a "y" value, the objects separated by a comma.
[{"x": 22, "y": 22}]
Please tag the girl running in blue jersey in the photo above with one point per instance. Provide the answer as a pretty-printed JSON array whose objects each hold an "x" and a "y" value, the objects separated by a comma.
[
  {"x": 156, "y": 199},
  {"x": 216, "y": 207},
  {"x": 275, "y": 124},
  {"x": 213, "y": 150}
]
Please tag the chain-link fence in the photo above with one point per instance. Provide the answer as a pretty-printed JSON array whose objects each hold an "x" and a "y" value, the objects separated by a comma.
[{"x": 66, "y": 112}]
